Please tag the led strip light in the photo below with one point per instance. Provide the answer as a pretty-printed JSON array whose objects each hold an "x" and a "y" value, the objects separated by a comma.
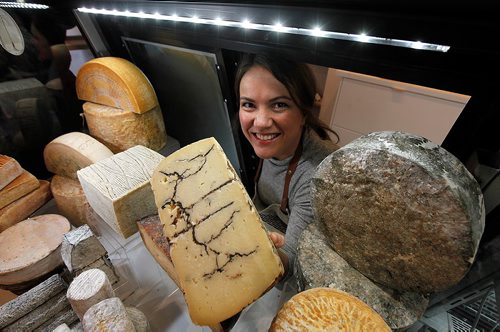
[
  {"x": 278, "y": 27},
  {"x": 22, "y": 5}
]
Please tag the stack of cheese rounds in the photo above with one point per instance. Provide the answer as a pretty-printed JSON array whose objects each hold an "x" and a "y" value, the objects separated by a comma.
[
  {"x": 121, "y": 106},
  {"x": 64, "y": 156},
  {"x": 21, "y": 193}
]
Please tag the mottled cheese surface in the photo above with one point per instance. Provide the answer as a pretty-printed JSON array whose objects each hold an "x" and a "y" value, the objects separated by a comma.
[{"x": 220, "y": 249}]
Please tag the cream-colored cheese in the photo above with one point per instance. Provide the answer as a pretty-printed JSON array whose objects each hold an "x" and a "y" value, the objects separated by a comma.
[
  {"x": 118, "y": 187},
  {"x": 220, "y": 249},
  {"x": 120, "y": 130}
]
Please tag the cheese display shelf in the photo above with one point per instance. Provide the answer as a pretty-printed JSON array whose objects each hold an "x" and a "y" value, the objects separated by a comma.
[{"x": 143, "y": 284}]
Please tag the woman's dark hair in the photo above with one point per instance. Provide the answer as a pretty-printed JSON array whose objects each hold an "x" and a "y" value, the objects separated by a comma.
[{"x": 296, "y": 77}]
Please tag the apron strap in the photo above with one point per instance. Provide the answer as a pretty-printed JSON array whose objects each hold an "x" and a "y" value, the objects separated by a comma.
[{"x": 292, "y": 166}]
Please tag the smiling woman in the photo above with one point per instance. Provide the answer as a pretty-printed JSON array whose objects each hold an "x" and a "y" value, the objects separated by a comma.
[{"x": 276, "y": 100}]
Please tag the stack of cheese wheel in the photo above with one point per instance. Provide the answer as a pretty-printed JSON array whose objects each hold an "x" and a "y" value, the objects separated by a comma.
[
  {"x": 326, "y": 309},
  {"x": 21, "y": 193},
  {"x": 121, "y": 106},
  {"x": 64, "y": 156}
]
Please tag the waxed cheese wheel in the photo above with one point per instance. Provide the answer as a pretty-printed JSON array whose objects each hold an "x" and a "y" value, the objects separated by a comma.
[
  {"x": 222, "y": 255},
  {"x": 401, "y": 210},
  {"x": 115, "y": 82},
  {"x": 327, "y": 309},
  {"x": 67, "y": 154},
  {"x": 120, "y": 130}
]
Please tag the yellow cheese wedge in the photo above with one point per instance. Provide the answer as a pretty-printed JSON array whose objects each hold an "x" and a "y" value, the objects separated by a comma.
[
  {"x": 70, "y": 152},
  {"x": 120, "y": 130},
  {"x": 222, "y": 255},
  {"x": 115, "y": 82},
  {"x": 326, "y": 309}
]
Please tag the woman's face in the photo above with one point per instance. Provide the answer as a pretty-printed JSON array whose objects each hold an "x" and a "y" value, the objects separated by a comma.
[{"x": 269, "y": 118}]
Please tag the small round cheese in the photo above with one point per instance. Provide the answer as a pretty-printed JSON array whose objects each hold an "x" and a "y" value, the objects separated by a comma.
[{"x": 326, "y": 309}]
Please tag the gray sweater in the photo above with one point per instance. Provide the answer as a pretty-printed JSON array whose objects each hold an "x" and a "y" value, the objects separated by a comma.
[{"x": 271, "y": 183}]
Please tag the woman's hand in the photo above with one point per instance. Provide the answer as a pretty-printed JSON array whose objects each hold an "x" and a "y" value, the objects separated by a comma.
[{"x": 278, "y": 239}]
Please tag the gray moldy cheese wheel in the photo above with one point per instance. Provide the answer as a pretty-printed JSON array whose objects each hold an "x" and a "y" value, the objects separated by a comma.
[
  {"x": 120, "y": 130},
  {"x": 318, "y": 265},
  {"x": 115, "y": 82},
  {"x": 326, "y": 309},
  {"x": 401, "y": 210}
]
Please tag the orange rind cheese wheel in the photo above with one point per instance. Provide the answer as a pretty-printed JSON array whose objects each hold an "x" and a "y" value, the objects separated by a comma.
[{"x": 115, "y": 82}]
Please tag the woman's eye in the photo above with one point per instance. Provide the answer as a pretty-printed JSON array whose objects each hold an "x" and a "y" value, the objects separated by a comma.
[
  {"x": 280, "y": 106},
  {"x": 246, "y": 105}
]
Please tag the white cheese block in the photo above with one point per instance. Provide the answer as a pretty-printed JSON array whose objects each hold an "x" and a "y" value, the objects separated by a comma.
[
  {"x": 117, "y": 83},
  {"x": 118, "y": 188},
  {"x": 70, "y": 152},
  {"x": 120, "y": 130},
  {"x": 223, "y": 257},
  {"x": 107, "y": 315},
  {"x": 87, "y": 289},
  {"x": 326, "y": 309},
  {"x": 9, "y": 170}
]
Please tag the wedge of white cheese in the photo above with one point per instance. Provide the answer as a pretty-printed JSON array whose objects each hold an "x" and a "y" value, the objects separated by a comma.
[
  {"x": 221, "y": 252},
  {"x": 118, "y": 187}
]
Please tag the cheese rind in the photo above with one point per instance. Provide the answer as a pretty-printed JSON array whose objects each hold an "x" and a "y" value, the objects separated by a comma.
[
  {"x": 120, "y": 130},
  {"x": 117, "y": 83},
  {"x": 326, "y": 309},
  {"x": 30, "y": 248},
  {"x": 70, "y": 199},
  {"x": 22, "y": 185},
  {"x": 220, "y": 249},
  {"x": 9, "y": 170},
  {"x": 68, "y": 153},
  {"x": 151, "y": 231},
  {"x": 118, "y": 188}
]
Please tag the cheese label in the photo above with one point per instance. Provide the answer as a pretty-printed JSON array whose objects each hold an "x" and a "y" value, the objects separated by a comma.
[{"x": 219, "y": 247}]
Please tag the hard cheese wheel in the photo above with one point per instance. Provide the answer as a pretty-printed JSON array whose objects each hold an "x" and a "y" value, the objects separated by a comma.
[
  {"x": 120, "y": 130},
  {"x": 223, "y": 257},
  {"x": 401, "y": 210},
  {"x": 70, "y": 199},
  {"x": 71, "y": 152},
  {"x": 318, "y": 265},
  {"x": 117, "y": 83},
  {"x": 30, "y": 248},
  {"x": 326, "y": 309}
]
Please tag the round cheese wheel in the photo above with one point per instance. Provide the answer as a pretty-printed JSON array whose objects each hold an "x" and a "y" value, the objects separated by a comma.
[
  {"x": 67, "y": 154},
  {"x": 327, "y": 309},
  {"x": 30, "y": 248},
  {"x": 115, "y": 82},
  {"x": 120, "y": 130},
  {"x": 70, "y": 199},
  {"x": 401, "y": 210}
]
